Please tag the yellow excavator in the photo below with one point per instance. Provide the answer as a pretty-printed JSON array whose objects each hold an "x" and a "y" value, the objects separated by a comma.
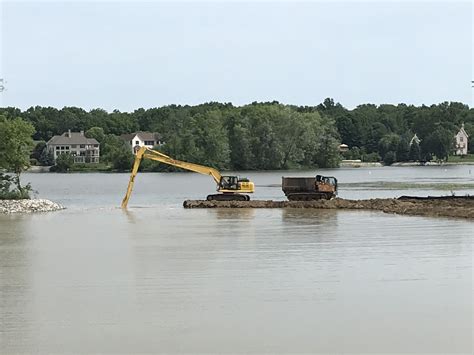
[{"x": 230, "y": 188}]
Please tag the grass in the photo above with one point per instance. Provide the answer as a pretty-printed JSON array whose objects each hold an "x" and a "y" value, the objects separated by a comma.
[
  {"x": 461, "y": 159},
  {"x": 385, "y": 185},
  {"x": 87, "y": 168}
]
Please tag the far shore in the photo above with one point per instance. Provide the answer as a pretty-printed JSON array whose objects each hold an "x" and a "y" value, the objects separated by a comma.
[{"x": 344, "y": 164}]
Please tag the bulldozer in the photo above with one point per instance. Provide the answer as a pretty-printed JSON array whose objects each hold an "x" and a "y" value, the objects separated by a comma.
[
  {"x": 229, "y": 188},
  {"x": 309, "y": 188}
]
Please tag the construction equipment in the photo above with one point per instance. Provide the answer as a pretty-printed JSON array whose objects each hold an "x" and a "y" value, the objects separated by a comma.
[
  {"x": 230, "y": 188},
  {"x": 309, "y": 188}
]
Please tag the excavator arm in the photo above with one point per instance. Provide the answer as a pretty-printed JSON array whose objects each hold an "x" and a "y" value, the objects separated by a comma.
[{"x": 146, "y": 153}]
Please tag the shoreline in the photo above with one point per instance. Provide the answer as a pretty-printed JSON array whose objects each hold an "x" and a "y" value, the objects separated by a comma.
[{"x": 343, "y": 165}]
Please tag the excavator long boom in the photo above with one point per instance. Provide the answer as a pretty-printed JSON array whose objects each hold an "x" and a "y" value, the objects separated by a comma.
[{"x": 147, "y": 153}]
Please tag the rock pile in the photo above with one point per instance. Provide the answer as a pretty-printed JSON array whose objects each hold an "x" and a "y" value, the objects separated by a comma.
[
  {"x": 28, "y": 206},
  {"x": 460, "y": 208}
]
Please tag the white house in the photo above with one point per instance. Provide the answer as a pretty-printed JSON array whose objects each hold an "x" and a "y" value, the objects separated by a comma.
[
  {"x": 461, "y": 141},
  {"x": 83, "y": 149},
  {"x": 415, "y": 139},
  {"x": 343, "y": 147},
  {"x": 137, "y": 140}
]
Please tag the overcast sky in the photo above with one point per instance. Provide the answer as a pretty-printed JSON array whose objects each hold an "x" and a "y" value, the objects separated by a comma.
[{"x": 126, "y": 55}]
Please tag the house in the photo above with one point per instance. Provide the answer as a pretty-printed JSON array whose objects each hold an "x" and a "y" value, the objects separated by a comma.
[
  {"x": 83, "y": 149},
  {"x": 415, "y": 139},
  {"x": 461, "y": 142},
  {"x": 137, "y": 140},
  {"x": 343, "y": 147}
]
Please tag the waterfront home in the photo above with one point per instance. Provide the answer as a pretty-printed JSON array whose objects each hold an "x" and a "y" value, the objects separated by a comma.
[
  {"x": 137, "y": 140},
  {"x": 343, "y": 147},
  {"x": 461, "y": 142},
  {"x": 83, "y": 149},
  {"x": 415, "y": 139}
]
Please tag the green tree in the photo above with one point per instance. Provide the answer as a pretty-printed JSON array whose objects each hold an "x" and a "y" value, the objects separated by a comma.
[
  {"x": 415, "y": 153},
  {"x": 122, "y": 158},
  {"x": 389, "y": 142},
  {"x": 211, "y": 140},
  {"x": 38, "y": 150},
  {"x": 264, "y": 142},
  {"x": 241, "y": 154},
  {"x": 64, "y": 163},
  {"x": 15, "y": 148},
  {"x": 46, "y": 158},
  {"x": 403, "y": 149},
  {"x": 440, "y": 143},
  {"x": 390, "y": 158},
  {"x": 327, "y": 149},
  {"x": 97, "y": 133},
  {"x": 108, "y": 147}
]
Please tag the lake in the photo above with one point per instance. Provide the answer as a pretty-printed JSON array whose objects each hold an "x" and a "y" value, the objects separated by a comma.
[{"x": 159, "y": 278}]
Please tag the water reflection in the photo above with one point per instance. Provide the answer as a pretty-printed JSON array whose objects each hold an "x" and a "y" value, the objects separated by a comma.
[
  {"x": 94, "y": 278},
  {"x": 232, "y": 213},
  {"x": 17, "y": 316},
  {"x": 309, "y": 216}
]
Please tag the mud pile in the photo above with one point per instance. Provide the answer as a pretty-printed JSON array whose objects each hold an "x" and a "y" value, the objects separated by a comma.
[{"x": 446, "y": 207}]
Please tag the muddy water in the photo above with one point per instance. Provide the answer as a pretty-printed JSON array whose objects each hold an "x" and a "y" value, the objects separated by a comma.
[{"x": 159, "y": 278}]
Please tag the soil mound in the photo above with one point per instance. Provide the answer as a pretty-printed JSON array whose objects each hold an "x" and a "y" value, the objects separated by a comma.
[{"x": 459, "y": 207}]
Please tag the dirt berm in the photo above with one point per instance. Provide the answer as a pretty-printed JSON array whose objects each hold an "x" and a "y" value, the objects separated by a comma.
[{"x": 459, "y": 207}]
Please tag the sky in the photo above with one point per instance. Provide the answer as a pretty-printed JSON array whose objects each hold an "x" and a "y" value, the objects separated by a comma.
[{"x": 131, "y": 54}]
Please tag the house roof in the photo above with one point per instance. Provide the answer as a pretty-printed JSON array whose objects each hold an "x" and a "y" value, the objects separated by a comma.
[
  {"x": 72, "y": 138},
  {"x": 144, "y": 136}
]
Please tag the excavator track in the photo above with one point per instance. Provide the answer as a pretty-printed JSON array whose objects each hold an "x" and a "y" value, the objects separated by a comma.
[
  {"x": 228, "y": 197},
  {"x": 309, "y": 196}
]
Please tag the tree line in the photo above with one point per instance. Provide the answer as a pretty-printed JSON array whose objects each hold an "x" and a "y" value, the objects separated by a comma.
[{"x": 266, "y": 135}]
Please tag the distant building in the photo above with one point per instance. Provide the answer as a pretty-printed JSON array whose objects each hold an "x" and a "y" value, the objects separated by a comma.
[
  {"x": 415, "y": 139},
  {"x": 461, "y": 142},
  {"x": 83, "y": 149},
  {"x": 343, "y": 147},
  {"x": 142, "y": 139}
]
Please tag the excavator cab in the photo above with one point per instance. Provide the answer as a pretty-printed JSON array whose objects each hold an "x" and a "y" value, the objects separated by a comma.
[
  {"x": 233, "y": 188},
  {"x": 229, "y": 183},
  {"x": 235, "y": 183}
]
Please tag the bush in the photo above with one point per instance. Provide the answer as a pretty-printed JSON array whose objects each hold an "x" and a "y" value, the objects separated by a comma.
[
  {"x": 122, "y": 158},
  {"x": 352, "y": 154},
  {"x": 371, "y": 158},
  {"x": 9, "y": 192},
  {"x": 390, "y": 158},
  {"x": 46, "y": 158},
  {"x": 64, "y": 162},
  {"x": 90, "y": 167}
]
